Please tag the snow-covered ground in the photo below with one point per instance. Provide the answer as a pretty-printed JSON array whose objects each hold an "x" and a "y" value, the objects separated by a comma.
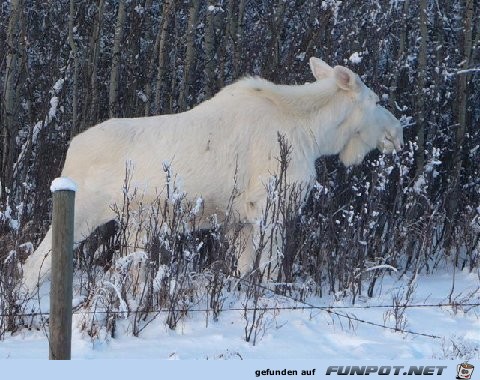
[{"x": 298, "y": 333}]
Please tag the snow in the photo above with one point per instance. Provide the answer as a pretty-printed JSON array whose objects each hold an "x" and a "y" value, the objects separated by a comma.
[
  {"x": 296, "y": 333},
  {"x": 52, "y": 112},
  {"x": 53, "y": 108},
  {"x": 467, "y": 71},
  {"x": 355, "y": 58},
  {"x": 10, "y": 257},
  {"x": 8, "y": 216},
  {"x": 141, "y": 95},
  {"x": 36, "y": 130},
  {"x": 301, "y": 56},
  {"x": 57, "y": 87},
  {"x": 198, "y": 206},
  {"x": 63, "y": 183},
  {"x": 214, "y": 8},
  {"x": 383, "y": 266},
  {"x": 420, "y": 184},
  {"x": 334, "y": 5}
]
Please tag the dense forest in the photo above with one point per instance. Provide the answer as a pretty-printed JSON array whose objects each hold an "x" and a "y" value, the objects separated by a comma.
[{"x": 66, "y": 65}]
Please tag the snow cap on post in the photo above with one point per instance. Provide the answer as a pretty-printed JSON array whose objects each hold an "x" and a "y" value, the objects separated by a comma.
[{"x": 63, "y": 183}]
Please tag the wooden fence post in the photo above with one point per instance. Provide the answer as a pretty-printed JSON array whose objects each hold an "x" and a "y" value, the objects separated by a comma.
[{"x": 60, "y": 325}]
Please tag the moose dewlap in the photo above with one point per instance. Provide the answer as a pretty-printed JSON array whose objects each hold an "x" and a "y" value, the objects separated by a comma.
[{"x": 235, "y": 130}]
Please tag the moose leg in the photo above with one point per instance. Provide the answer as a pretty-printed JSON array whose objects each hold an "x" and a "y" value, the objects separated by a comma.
[
  {"x": 90, "y": 212},
  {"x": 246, "y": 261},
  {"x": 262, "y": 239},
  {"x": 262, "y": 253},
  {"x": 35, "y": 268}
]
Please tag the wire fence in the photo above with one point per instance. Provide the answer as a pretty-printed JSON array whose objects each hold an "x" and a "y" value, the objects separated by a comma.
[
  {"x": 269, "y": 308},
  {"x": 306, "y": 307}
]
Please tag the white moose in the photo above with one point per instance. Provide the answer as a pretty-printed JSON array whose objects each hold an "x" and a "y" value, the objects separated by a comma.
[{"x": 336, "y": 114}]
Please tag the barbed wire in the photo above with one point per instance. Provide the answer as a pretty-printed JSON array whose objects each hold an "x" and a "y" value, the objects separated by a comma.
[
  {"x": 266, "y": 308},
  {"x": 328, "y": 309},
  {"x": 356, "y": 319}
]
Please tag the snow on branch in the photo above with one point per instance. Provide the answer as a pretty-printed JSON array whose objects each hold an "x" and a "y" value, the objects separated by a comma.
[{"x": 467, "y": 71}]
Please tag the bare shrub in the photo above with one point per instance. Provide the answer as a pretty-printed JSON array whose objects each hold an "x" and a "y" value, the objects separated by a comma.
[
  {"x": 13, "y": 301},
  {"x": 162, "y": 261},
  {"x": 459, "y": 348}
]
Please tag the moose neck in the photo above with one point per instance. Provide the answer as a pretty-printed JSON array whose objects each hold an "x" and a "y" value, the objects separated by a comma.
[{"x": 318, "y": 109}]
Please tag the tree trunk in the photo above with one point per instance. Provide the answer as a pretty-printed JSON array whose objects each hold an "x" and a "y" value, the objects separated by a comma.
[
  {"x": 149, "y": 71},
  {"x": 399, "y": 81},
  {"x": 188, "y": 73},
  {"x": 173, "y": 88},
  {"x": 113, "y": 90},
  {"x": 168, "y": 6},
  {"x": 237, "y": 26},
  {"x": 74, "y": 56},
  {"x": 91, "y": 107},
  {"x": 152, "y": 67},
  {"x": 462, "y": 99},
  {"x": 422, "y": 73},
  {"x": 210, "y": 49},
  {"x": 462, "y": 86},
  {"x": 10, "y": 100},
  {"x": 272, "y": 63},
  {"x": 221, "y": 50}
]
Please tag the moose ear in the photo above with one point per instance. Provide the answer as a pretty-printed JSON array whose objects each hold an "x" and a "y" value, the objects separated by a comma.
[
  {"x": 346, "y": 78},
  {"x": 320, "y": 69}
]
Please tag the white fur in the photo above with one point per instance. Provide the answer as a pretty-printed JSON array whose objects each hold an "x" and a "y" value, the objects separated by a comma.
[{"x": 337, "y": 114}]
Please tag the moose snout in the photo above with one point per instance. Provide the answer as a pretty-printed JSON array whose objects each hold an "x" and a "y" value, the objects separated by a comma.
[
  {"x": 398, "y": 144},
  {"x": 396, "y": 138},
  {"x": 392, "y": 139},
  {"x": 393, "y": 132}
]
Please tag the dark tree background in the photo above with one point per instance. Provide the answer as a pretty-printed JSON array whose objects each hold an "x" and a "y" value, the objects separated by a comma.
[{"x": 66, "y": 65}]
